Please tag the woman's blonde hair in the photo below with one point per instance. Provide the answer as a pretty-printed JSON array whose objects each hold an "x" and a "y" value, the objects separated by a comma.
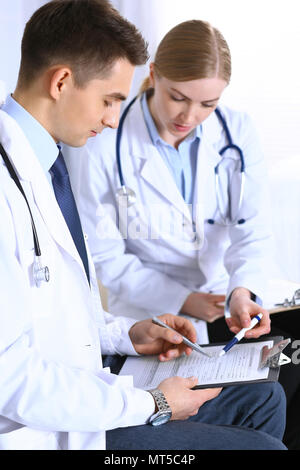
[{"x": 192, "y": 50}]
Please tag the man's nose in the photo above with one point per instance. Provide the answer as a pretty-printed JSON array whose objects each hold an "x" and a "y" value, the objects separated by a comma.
[{"x": 111, "y": 121}]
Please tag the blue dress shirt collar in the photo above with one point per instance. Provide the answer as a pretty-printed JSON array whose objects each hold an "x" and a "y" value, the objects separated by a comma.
[{"x": 40, "y": 140}]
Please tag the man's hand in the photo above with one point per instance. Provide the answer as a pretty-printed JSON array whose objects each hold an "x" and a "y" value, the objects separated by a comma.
[
  {"x": 207, "y": 307},
  {"x": 148, "y": 338},
  {"x": 183, "y": 401},
  {"x": 242, "y": 309}
]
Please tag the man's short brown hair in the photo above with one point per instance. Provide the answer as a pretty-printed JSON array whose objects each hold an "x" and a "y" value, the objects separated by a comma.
[{"x": 87, "y": 35}]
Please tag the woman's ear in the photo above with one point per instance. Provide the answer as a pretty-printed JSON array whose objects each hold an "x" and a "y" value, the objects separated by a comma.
[{"x": 152, "y": 75}]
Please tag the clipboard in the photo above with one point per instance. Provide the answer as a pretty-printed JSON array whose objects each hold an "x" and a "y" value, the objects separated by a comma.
[
  {"x": 146, "y": 370},
  {"x": 270, "y": 357}
]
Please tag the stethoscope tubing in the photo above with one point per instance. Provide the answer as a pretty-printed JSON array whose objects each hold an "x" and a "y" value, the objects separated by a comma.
[
  {"x": 40, "y": 273},
  {"x": 15, "y": 178},
  {"x": 241, "y": 196},
  {"x": 124, "y": 191},
  {"x": 118, "y": 141}
]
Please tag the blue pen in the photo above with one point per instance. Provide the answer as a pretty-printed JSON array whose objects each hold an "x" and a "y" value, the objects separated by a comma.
[{"x": 240, "y": 335}]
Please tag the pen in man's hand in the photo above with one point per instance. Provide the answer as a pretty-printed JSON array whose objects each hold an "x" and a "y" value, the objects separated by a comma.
[{"x": 185, "y": 340}]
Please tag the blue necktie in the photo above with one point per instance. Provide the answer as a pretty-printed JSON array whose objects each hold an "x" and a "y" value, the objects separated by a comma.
[{"x": 64, "y": 196}]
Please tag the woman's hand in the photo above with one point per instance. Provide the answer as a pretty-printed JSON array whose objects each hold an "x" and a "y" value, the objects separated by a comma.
[
  {"x": 207, "y": 307},
  {"x": 242, "y": 309},
  {"x": 148, "y": 338}
]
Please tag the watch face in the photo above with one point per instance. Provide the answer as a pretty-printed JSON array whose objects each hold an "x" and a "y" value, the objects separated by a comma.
[{"x": 160, "y": 418}]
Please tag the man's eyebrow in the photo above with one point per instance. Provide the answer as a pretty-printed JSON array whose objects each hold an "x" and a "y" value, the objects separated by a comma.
[
  {"x": 206, "y": 101},
  {"x": 117, "y": 96}
]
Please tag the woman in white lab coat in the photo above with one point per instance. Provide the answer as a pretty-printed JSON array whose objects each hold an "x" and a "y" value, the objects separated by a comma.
[
  {"x": 174, "y": 251},
  {"x": 190, "y": 241}
]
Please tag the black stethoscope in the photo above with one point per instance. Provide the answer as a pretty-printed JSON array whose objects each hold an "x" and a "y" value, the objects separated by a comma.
[
  {"x": 127, "y": 197},
  {"x": 40, "y": 272}
]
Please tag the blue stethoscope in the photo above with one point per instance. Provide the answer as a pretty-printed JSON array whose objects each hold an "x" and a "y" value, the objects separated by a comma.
[{"x": 127, "y": 197}]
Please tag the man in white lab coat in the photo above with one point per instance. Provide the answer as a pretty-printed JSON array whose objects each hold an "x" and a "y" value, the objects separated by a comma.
[{"x": 77, "y": 63}]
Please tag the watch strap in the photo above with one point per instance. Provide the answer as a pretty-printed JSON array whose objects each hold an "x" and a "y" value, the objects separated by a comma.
[{"x": 160, "y": 400}]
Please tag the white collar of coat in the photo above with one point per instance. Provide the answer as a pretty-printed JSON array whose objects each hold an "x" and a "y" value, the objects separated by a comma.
[{"x": 29, "y": 169}]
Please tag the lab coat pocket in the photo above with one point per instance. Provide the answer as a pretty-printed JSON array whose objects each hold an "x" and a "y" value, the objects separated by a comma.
[
  {"x": 27, "y": 256},
  {"x": 29, "y": 439},
  {"x": 27, "y": 263}
]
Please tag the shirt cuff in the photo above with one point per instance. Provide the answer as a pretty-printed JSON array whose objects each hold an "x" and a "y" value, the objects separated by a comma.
[
  {"x": 119, "y": 338},
  {"x": 140, "y": 406}
]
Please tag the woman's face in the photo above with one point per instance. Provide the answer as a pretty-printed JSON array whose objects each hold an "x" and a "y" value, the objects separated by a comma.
[{"x": 178, "y": 107}]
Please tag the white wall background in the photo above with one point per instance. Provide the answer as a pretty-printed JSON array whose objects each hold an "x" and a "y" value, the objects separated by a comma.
[
  {"x": 13, "y": 16},
  {"x": 264, "y": 38}
]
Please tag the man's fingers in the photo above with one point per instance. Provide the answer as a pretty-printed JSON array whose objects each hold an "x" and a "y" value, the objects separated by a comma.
[
  {"x": 181, "y": 325},
  {"x": 166, "y": 335}
]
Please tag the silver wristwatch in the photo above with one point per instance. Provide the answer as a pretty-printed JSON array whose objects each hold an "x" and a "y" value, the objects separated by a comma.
[{"x": 164, "y": 413}]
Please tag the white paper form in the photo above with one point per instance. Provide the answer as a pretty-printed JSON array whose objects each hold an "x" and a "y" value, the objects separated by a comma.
[{"x": 240, "y": 364}]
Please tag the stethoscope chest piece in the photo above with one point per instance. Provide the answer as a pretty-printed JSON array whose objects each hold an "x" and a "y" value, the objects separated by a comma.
[
  {"x": 40, "y": 273},
  {"x": 126, "y": 197}
]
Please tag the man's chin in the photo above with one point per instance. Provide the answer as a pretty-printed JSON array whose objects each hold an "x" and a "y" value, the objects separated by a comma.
[{"x": 78, "y": 142}]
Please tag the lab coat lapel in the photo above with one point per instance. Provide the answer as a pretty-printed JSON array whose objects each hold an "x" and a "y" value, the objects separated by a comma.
[
  {"x": 52, "y": 215},
  {"x": 29, "y": 169},
  {"x": 156, "y": 173},
  {"x": 153, "y": 169}
]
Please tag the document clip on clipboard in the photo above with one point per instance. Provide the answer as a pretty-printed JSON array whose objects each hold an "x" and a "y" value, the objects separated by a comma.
[
  {"x": 274, "y": 357},
  {"x": 294, "y": 302}
]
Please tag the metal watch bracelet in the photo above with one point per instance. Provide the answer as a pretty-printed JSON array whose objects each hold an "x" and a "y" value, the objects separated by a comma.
[{"x": 163, "y": 412}]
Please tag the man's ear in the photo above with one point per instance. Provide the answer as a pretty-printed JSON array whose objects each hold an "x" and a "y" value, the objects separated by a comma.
[{"x": 60, "y": 79}]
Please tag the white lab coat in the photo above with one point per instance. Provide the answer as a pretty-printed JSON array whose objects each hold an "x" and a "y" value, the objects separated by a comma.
[
  {"x": 54, "y": 392},
  {"x": 148, "y": 274}
]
